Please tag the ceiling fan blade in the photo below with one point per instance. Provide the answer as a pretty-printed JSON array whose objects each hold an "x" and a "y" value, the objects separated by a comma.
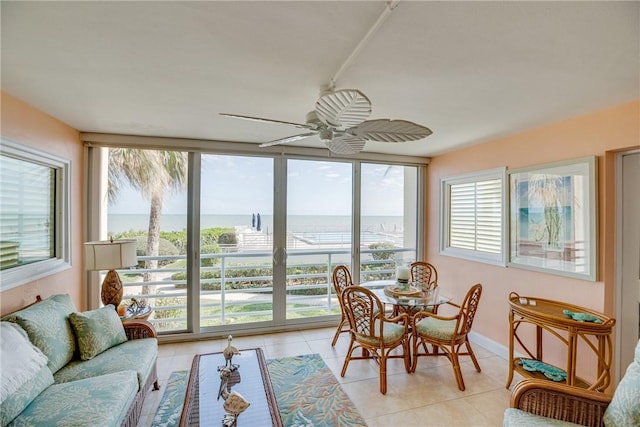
[
  {"x": 346, "y": 144},
  {"x": 261, "y": 120},
  {"x": 288, "y": 139},
  {"x": 386, "y": 130},
  {"x": 343, "y": 108}
]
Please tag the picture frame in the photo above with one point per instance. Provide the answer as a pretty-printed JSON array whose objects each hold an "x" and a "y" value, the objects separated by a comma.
[{"x": 553, "y": 218}]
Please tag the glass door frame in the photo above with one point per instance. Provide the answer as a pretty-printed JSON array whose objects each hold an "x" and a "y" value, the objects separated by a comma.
[{"x": 95, "y": 224}]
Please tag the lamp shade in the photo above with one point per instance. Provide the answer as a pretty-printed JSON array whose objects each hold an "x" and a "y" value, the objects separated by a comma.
[{"x": 110, "y": 255}]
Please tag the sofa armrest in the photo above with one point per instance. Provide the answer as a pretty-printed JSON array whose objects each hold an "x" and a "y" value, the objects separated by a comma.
[
  {"x": 560, "y": 401},
  {"x": 137, "y": 329}
]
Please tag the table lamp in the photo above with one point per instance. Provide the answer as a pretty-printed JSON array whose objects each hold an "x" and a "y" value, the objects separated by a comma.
[{"x": 111, "y": 255}]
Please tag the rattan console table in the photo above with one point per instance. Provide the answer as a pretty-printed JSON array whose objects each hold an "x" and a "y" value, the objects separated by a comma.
[{"x": 547, "y": 315}]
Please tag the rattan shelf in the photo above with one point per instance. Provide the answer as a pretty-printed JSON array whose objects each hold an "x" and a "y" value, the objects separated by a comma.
[{"x": 547, "y": 315}]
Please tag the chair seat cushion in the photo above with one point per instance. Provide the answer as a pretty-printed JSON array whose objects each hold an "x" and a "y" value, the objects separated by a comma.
[
  {"x": 435, "y": 328},
  {"x": 517, "y": 418},
  {"x": 137, "y": 355},
  {"x": 99, "y": 401},
  {"x": 392, "y": 332}
]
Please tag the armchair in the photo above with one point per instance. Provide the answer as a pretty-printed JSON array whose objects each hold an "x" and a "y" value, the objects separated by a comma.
[
  {"x": 447, "y": 335},
  {"x": 538, "y": 402},
  {"x": 373, "y": 332},
  {"x": 341, "y": 279},
  {"x": 423, "y": 275}
]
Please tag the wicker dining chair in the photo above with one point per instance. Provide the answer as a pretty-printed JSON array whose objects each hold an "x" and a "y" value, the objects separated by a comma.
[
  {"x": 373, "y": 332},
  {"x": 341, "y": 279},
  {"x": 447, "y": 335},
  {"x": 423, "y": 275}
]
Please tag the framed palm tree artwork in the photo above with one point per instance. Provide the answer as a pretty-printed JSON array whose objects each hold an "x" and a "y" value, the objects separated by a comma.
[{"x": 552, "y": 218}]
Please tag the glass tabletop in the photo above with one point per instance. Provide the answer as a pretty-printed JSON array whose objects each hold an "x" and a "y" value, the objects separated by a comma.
[
  {"x": 205, "y": 408},
  {"x": 421, "y": 299}
]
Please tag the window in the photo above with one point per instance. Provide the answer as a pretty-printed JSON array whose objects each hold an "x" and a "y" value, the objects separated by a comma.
[
  {"x": 388, "y": 219},
  {"x": 250, "y": 240},
  {"x": 473, "y": 220},
  {"x": 34, "y": 214}
]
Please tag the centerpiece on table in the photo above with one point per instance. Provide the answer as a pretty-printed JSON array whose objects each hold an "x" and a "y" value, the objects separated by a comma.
[
  {"x": 402, "y": 278},
  {"x": 402, "y": 286}
]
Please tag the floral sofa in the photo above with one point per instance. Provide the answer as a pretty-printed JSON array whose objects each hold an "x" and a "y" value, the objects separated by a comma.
[
  {"x": 61, "y": 367},
  {"x": 537, "y": 402}
]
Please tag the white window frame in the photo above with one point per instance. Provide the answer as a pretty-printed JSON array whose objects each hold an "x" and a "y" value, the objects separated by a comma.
[
  {"x": 473, "y": 255},
  {"x": 20, "y": 275}
]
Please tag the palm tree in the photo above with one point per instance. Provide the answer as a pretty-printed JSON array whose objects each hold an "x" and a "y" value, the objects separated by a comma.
[
  {"x": 152, "y": 172},
  {"x": 549, "y": 192}
]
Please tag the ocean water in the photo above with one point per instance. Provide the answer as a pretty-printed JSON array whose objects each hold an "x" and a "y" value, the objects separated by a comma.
[{"x": 118, "y": 223}]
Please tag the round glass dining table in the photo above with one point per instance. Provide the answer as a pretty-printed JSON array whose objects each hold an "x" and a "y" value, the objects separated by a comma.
[{"x": 423, "y": 299}]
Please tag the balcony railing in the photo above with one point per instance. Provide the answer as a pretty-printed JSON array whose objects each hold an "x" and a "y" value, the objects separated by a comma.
[{"x": 238, "y": 287}]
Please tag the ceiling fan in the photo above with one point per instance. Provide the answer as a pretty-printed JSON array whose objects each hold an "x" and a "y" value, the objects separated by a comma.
[{"x": 339, "y": 121}]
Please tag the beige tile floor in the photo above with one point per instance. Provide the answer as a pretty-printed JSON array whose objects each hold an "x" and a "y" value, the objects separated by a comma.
[{"x": 428, "y": 397}]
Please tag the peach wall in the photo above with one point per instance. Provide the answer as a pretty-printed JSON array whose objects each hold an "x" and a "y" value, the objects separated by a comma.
[
  {"x": 26, "y": 125},
  {"x": 596, "y": 134}
]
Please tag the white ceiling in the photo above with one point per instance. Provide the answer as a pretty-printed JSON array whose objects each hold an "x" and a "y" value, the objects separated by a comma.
[{"x": 470, "y": 71}]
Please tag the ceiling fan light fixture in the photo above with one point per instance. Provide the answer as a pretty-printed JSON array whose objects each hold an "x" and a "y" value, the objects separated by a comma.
[
  {"x": 325, "y": 135},
  {"x": 339, "y": 121},
  {"x": 343, "y": 108},
  {"x": 346, "y": 145}
]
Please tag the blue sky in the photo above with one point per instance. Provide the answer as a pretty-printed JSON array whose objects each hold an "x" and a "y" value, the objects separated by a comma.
[{"x": 244, "y": 185}]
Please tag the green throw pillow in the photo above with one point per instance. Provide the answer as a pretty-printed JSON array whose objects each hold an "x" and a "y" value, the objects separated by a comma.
[{"x": 97, "y": 331}]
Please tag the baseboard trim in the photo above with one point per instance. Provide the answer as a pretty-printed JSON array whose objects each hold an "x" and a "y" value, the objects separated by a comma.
[{"x": 493, "y": 346}]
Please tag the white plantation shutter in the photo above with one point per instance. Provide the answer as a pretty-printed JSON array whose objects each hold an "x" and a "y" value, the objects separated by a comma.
[
  {"x": 463, "y": 216},
  {"x": 473, "y": 208},
  {"x": 34, "y": 214},
  {"x": 27, "y": 215},
  {"x": 489, "y": 216}
]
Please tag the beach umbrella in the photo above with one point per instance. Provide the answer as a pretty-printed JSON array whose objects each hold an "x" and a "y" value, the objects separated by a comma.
[
  {"x": 259, "y": 224},
  {"x": 253, "y": 221}
]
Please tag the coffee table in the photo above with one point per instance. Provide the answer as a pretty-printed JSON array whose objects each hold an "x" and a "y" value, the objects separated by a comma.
[{"x": 251, "y": 380}]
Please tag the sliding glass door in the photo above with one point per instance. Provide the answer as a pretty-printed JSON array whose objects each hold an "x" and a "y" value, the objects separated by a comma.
[
  {"x": 248, "y": 242},
  {"x": 236, "y": 240},
  {"x": 388, "y": 219},
  {"x": 319, "y": 234},
  {"x": 147, "y": 201}
]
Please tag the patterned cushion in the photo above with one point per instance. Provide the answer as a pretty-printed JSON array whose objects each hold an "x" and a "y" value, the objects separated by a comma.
[
  {"x": 138, "y": 355},
  {"x": 436, "y": 328},
  {"x": 392, "y": 333},
  {"x": 99, "y": 401},
  {"x": 97, "y": 330},
  {"x": 48, "y": 329},
  {"x": 517, "y": 418},
  {"x": 20, "y": 399},
  {"x": 20, "y": 360},
  {"x": 624, "y": 409}
]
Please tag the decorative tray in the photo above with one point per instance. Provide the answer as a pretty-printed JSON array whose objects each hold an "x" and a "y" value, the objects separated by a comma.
[{"x": 395, "y": 291}]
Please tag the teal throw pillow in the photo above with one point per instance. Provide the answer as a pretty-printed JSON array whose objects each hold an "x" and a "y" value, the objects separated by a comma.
[{"x": 97, "y": 331}]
